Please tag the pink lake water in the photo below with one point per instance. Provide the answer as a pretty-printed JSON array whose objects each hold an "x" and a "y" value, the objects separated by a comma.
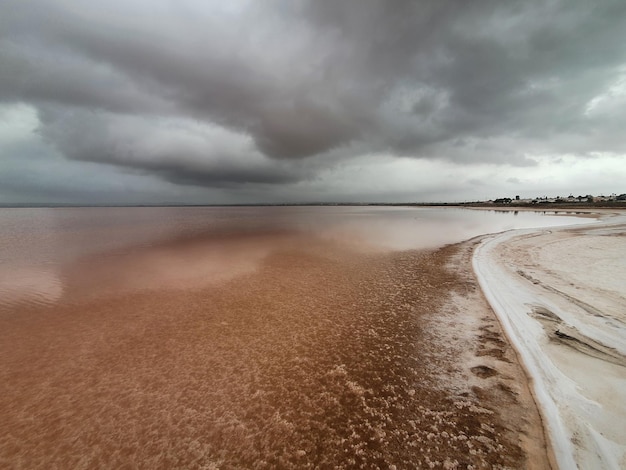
[
  {"x": 182, "y": 245},
  {"x": 248, "y": 337}
]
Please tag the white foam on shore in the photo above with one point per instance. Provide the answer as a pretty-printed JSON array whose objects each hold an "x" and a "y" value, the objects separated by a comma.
[{"x": 582, "y": 398}]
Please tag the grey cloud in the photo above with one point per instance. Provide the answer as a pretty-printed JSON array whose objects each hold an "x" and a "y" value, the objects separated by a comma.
[
  {"x": 178, "y": 150},
  {"x": 315, "y": 80}
]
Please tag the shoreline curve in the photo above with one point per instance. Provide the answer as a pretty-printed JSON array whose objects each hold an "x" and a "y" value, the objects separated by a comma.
[{"x": 568, "y": 329}]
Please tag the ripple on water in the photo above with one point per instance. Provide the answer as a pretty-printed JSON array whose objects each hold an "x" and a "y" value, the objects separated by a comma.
[{"x": 28, "y": 285}]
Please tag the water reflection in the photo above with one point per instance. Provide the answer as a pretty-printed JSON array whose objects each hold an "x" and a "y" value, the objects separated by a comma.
[
  {"x": 425, "y": 228},
  {"x": 29, "y": 285},
  {"x": 175, "y": 264},
  {"x": 104, "y": 250}
]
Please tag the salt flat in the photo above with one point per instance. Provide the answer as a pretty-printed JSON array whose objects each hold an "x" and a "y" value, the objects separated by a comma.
[{"x": 560, "y": 296}]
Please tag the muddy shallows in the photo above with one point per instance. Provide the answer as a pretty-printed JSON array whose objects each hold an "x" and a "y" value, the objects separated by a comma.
[{"x": 316, "y": 359}]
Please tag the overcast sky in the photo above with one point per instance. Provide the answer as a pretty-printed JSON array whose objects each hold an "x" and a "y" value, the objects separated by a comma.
[{"x": 151, "y": 101}]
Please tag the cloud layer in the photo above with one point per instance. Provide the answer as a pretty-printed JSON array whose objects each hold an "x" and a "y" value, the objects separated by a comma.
[{"x": 275, "y": 94}]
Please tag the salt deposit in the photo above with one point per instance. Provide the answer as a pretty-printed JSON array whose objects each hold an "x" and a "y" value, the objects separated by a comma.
[{"x": 561, "y": 298}]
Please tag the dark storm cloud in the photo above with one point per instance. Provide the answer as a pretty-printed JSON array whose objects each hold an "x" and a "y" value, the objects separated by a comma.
[
  {"x": 177, "y": 150},
  {"x": 231, "y": 93}
]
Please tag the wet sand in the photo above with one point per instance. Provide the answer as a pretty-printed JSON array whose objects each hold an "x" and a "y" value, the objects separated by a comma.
[{"x": 314, "y": 357}]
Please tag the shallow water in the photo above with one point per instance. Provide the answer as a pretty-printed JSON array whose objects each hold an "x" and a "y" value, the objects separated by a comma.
[
  {"x": 131, "y": 248},
  {"x": 237, "y": 338}
]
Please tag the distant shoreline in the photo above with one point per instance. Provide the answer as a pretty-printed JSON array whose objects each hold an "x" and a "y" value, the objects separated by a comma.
[{"x": 487, "y": 205}]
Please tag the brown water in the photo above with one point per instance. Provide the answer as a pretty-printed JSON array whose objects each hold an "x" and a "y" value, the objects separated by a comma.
[
  {"x": 46, "y": 252},
  {"x": 230, "y": 337}
]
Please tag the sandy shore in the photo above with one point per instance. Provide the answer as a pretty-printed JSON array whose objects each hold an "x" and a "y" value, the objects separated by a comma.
[{"x": 561, "y": 297}]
